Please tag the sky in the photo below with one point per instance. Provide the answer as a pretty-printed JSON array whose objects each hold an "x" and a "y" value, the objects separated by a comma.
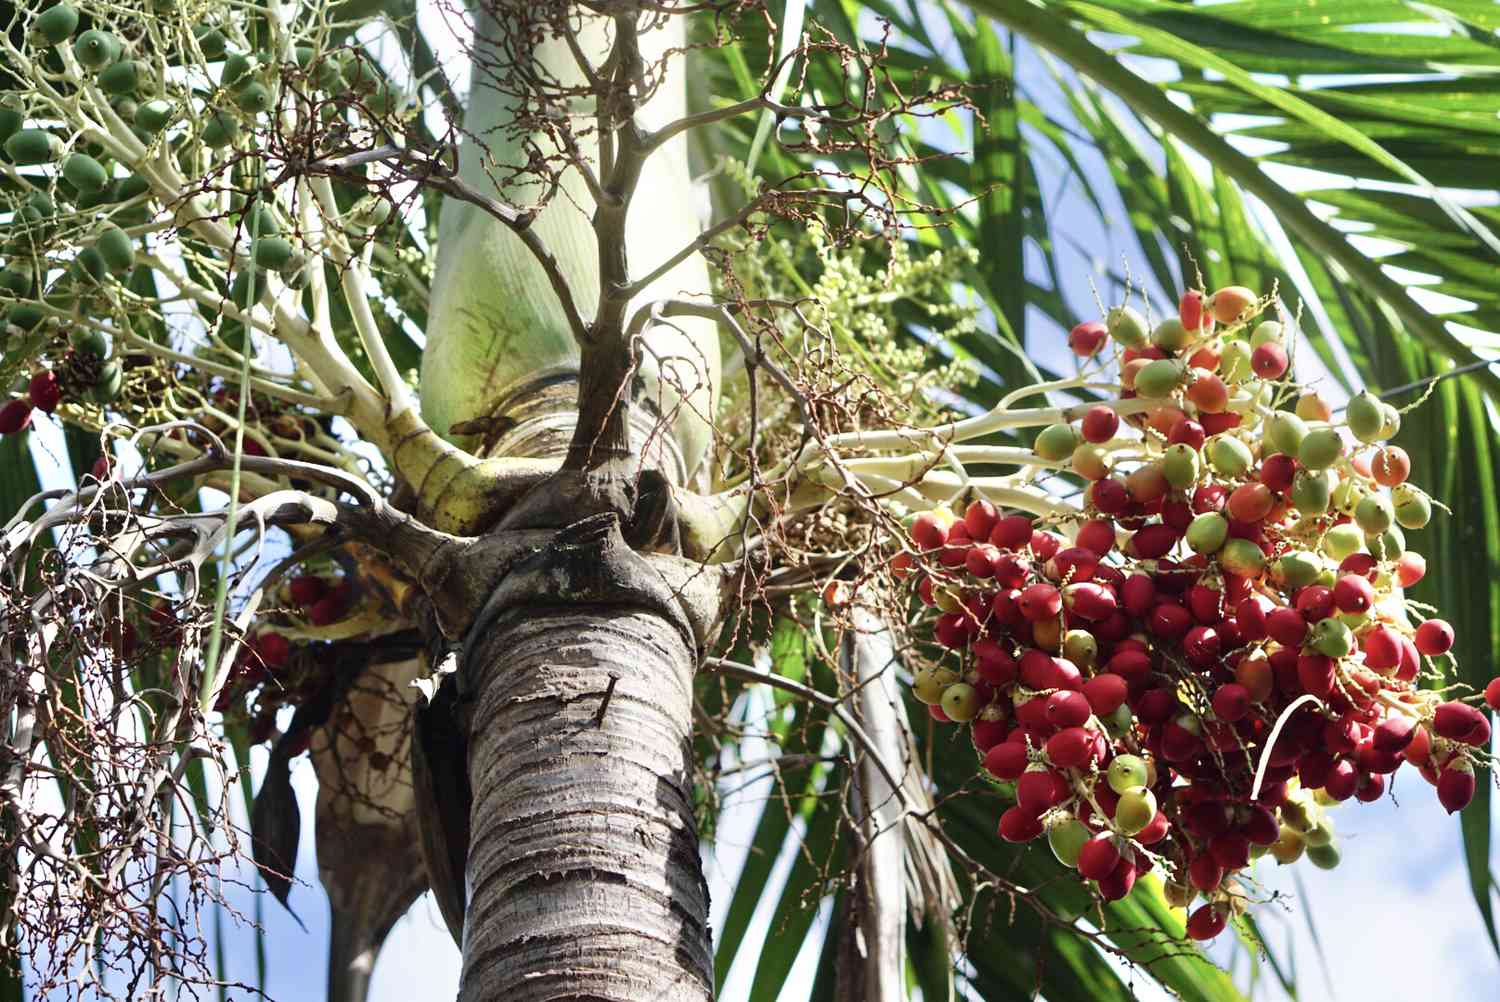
[{"x": 1394, "y": 922}]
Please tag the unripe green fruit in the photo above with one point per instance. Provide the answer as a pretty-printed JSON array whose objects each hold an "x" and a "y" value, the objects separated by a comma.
[
  {"x": 1229, "y": 456},
  {"x": 153, "y": 116},
  {"x": 1126, "y": 772},
  {"x": 1299, "y": 569},
  {"x": 115, "y": 247},
  {"x": 96, "y": 49},
  {"x": 1286, "y": 431},
  {"x": 1413, "y": 507},
  {"x": 1364, "y": 417},
  {"x": 1266, "y": 332},
  {"x": 1234, "y": 363},
  {"x": 1390, "y": 420},
  {"x": 220, "y": 129},
  {"x": 15, "y": 282},
  {"x": 1207, "y": 532},
  {"x": 11, "y": 119},
  {"x": 1320, "y": 449},
  {"x": 1126, "y": 325},
  {"x": 1242, "y": 557},
  {"x": 211, "y": 41},
  {"x": 1310, "y": 492},
  {"x": 125, "y": 107},
  {"x": 929, "y": 684},
  {"x": 1324, "y": 857},
  {"x": 245, "y": 289},
  {"x": 1388, "y": 545},
  {"x": 56, "y": 24},
  {"x": 237, "y": 67},
  {"x": 253, "y": 98},
  {"x": 1332, "y": 638},
  {"x": 130, "y": 186},
  {"x": 120, "y": 78},
  {"x": 1374, "y": 514},
  {"x": 961, "y": 702},
  {"x": 1066, "y": 839},
  {"x": 1135, "y": 810},
  {"x": 25, "y": 316},
  {"x": 273, "y": 253},
  {"x": 28, "y": 147},
  {"x": 1159, "y": 378},
  {"x": 89, "y": 265},
  {"x": 1120, "y": 722},
  {"x": 1347, "y": 495},
  {"x": 1181, "y": 466},
  {"x": 85, "y": 173},
  {"x": 111, "y": 380},
  {"x": 1288, "y": 847},
  {"x": 1170, "y": 335},
  {"x": 261, "y": 222},
  {"x": 1320, "y": 834},
  {"x": 1057, "y": 442},
  {"x": 1343, "y": 540}
]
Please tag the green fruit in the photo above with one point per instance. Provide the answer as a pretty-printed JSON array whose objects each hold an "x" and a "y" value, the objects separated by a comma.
[
  {"x": 1324, "y": 857},
  {"x": 211, "y": 41},
  {"x": 1320, "y": 449},
  {"x": 1298, "y": 569},
  {"x": 237, "y": 68},
  {"x": 1181, "y": 465},
  {"x": 304, "y": 55},
  {"x": 11, "y": 120},
  {"x": 96, "y": 49},
  {"x": 120, "y": 78},
  {"x": 28, "y": 147},
  {"x": 929, "y": 683},
  {"x": 1066, "y": 839},
  {"x": 1127, "y": 772},
  {"x": 274, "y": 253},
  {"x": 246, "y": 290},
  {"x": 1347, "y": 495},
  {"x": 125, "y": 107},
  {"x": 1170, "y": 335},
  {"x": 90, "y": 340},
  {"x": 1159, "y": 378},
  {"x": 1413, "y": 507},
  {"x": 25, "y": 316},
  {"x": 361, "y": 75},
  {"x": 1310, "y": 492},
  {"x": 1242, "y": 557},
  {"x": 1229, "y": 456},
  {"x": 961, "y": 702},
  {"x": 15, "y": 282},
  {"x": 261, "y": 222},
  {"x": 1266, "y": 332},
  {"x": 56, "y": 24},
  {"x": 1320, "y": 833},
  {"x": 220, "y": 129},
  {"x": 153, "y": 116},
  {"x": 1331, "y": 637},
  {"x": 1056, "y": 442},
  {"x": 115, "y": 247},
  {"x": 1343, "y": 540},
  {"x": 1390, "y": 421},
  {"x": 1365, "y": 417},
  {"x": 253, "y": 98},
  {"x": 1080, "y": 647},
  {"x": 1207, "y": 532},
  {"x": 111, "y": 379},
  {"x": 1286, "y": 432},
  {"x": 85, "y": 173},
  {"x": 89, "y": 265},
  {"x": 1289, "y": 846},
  {"x": 1126, "y": 326},
  {"x": 1135, "y": 810},
  {"x": 1234, "y": 363},
  {"x": 130, "y": 186},
  {"x": 1388, "y": 545},
  {"x": 1374, "y": 514}
]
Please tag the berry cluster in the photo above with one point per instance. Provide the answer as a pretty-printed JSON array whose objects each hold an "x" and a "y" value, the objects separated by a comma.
[{"x": 1222, "y": 649}]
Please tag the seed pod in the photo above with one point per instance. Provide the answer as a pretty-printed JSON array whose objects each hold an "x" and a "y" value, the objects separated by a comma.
[
  {"x": 56, "y": 24},
  {"x": 153, "y": 116},
  {"x": 120, "y": 78},
  {"x": 28, "y": 147},
  {"x": 111, "y": 379},
  {"x": 96, "y": 49},
  {"x": 85, "y": 173},
  {"x": 1127, "y": 326},
  {"x": 220, "y": 130},
  {"x": 1320, "y": 449},
  {"x": 115, "y": 248},
  {"x": 1365, "y": 417}
]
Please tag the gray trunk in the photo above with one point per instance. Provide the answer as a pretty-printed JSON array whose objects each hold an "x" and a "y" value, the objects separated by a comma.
[{"x": 584, "y": 880}]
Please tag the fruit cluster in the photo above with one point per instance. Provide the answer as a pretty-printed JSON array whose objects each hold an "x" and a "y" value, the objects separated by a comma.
[{"x": 1222, "y": 649}]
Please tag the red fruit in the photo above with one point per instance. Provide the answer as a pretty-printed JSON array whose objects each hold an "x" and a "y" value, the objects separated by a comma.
[
  {"x": 1040, "y": 601},
  {"x": 1269, "y": 361},
  {"x": 1492, "y": 694},
  {"x": 1370, "y": 788},
  {"x": 1072, "y": 747},
  {"x": 1206, "y": 923},
  {"x": 1153, "y": 541},
  {"x": 1096, "y": 536},
  {"x": 1090, "y": 600},
  {"x": 45, "y": 391},
  {"x": 1411, "y": 661},
  {"x": 987, "y": 734},
  {"x": 1187, "y": 432},
  {"x": 1391, "y": 466},
  {"x": 1353, "y": 593},
  {"x": 1315, "y": 602},
  {"x": 1105, "y": 693},
  {"x": 1040, "y": 789},
  {"x": 1006, "y": 760},
  {"x": 1455, "y": 787},
  {"x": 1286, "y": 626},
  {"x": 1393, "y": 734},
  {"x": 1045, "y": 544},
  {"x": 1119, "y": 882},
  {"x": 1251, "y": 614},
  {"x": 1231, "y": 851},
  {"x": 1099, "y": 424},
  {"x": 1011, "y": 570},
  {"x": 1098, "y": 857},
  {"x": 1017, "y": 825},
  {"x": 274, "y": 649},
  {"x": 1342, "y": 781},
  {"x": 1278, "y": 471},
  {"x": 1109, "y": 497},
  {"x": 1411, "y": 568},
  {"x": 1178, "y": 744},
  {"x": 1209, "y": 393},
  {"x": 1361, "y": 564},
  {"x": 1202, "y": 645},
  {"x": 935, "y": 711},
  {"x": 980, "y": 560},
  {"x": 15, "y": 416},
  {"x": 1315, "y": 674},
  {"x": 993, "y": 662},
  {"x": 1461, "y": 722},
  {"x": 928, "y": 531},
  {"x": 1217, "y": 424},
  {"x": 1192, "y": 310},
  {"x": 1170, "y": 621},
  {"x": 331, "y": 609},
  {"x": 307, "y": 589},
  {"x": 1231, "y": 702},
  {"x": 1205, "y": 873},
  {"x": 1129, "y": 664},
  {"x": 1011, "y": 532},
  {"x": 1260, "y": 826},
  {"x": 1209, "y": 497},
  {"x": 1074, "y": 564},
  {"x": 1066, "y": 708},
  {"x": 1382, "y": 647},
  {"x": 1206, "y": 604},
  {"x": 980, "y": 518},
  {"x": 1434, "y": 637},
  {"x": 1088, "y": 338},
  {"x": 1155, "y": 831}
]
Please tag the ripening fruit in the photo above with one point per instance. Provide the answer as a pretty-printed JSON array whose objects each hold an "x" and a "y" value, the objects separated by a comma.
[
  {"x": 1193, "y": 311},
  {"x": 56, "y": 24},
  {"x": 1231, "y": 302},
  {"x": 96, "y": 49},
  {"x": 1126, "y": 772},
  {"x": 1056, "y": 442},
  {"x": 1136, "y": 809},
  {"x": 1099, "y": 424},
  {"x": 1242, "y": 557},
  {"x": 1391, "y": 466},
  {"x": 1018, "y": 825},
  {"x": 1312, "y": 407},
  {"x": 1087, "y": 339},
  {"x": 1208, "y": 392},
  {"x": 961, "y": 702}
]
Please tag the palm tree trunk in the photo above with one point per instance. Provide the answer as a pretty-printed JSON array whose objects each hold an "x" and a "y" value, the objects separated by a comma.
[{"x": 583, "y": 871}]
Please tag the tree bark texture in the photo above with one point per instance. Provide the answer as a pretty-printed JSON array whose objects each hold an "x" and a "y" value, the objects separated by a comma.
[{"x": 584, "y": 879}]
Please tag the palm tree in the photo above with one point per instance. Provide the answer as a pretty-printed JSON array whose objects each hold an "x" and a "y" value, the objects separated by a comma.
[{"x": 550, "y": 545}]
